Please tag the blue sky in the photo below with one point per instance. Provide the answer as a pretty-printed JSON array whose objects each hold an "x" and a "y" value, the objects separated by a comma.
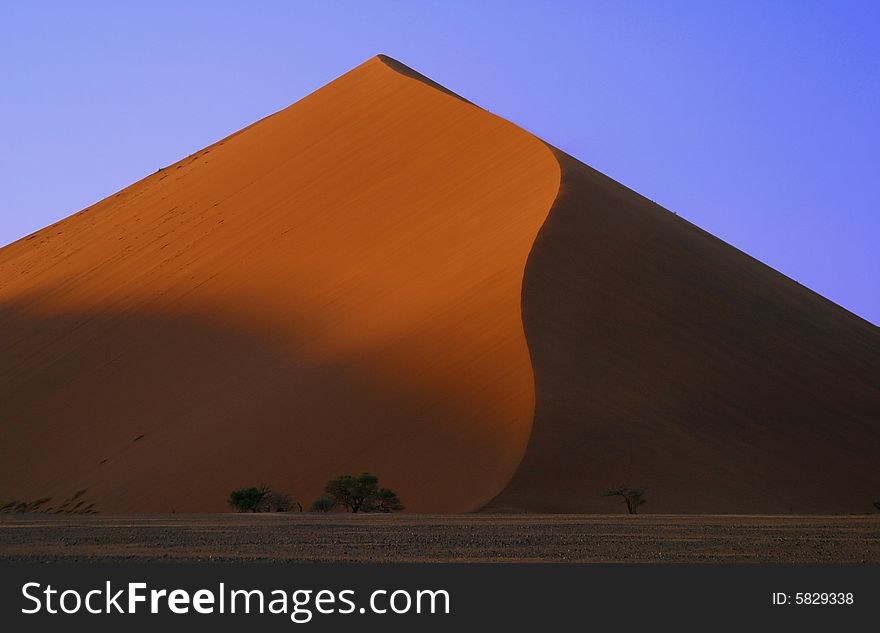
[{"x": 758, "y": 121}]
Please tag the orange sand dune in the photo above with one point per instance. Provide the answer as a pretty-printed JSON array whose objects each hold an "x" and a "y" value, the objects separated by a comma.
[{"x": 357, "y": 283}]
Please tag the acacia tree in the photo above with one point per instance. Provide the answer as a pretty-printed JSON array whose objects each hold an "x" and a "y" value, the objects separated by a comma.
[
  {"x": 387, "y": 501},
  {"x": 247, "y": 499},
  {"x": 877, "y": 504},
  {"x": 361, "y": 493},
  {"x": 634, "y": 497},
  {"x": 324, "y": 503},
  {"x": 262, "y": 499},
  {"x": 277, "y": 501},
  {"x": 353, "y": 492}
]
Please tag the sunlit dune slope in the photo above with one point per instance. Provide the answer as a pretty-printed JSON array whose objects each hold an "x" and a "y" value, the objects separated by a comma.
[{"x": 335, "y": 288}]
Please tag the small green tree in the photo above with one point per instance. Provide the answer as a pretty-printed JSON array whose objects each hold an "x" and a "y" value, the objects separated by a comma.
[
  {"x": 262, "y": 499},
  {"x": 351, "y": 492},
  {"x": 247, "y": 499},
  {"x": 324, "y": 503},
  {"x": 634, "y": 497},
  {"x": 387, "y": 501},
  {"x": 361, "y": 493},
  {"x": 276, "y": 501}
]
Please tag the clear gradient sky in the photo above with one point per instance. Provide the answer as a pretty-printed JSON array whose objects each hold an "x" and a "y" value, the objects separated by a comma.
[{"x": 757, "y": 120}]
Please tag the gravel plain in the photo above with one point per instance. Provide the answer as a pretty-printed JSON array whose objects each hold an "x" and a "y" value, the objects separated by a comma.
[{"x": 339, "y": 537}]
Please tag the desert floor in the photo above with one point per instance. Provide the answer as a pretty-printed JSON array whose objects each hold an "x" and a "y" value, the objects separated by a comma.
[{"x": 440, "y": 538}]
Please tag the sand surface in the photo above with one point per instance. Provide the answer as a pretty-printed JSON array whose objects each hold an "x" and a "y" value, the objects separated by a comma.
[
  {"x": 441, "y": 538},
  {"x": 386, "y": 277}
]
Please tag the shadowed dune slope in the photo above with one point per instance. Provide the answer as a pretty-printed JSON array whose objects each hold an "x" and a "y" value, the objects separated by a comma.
[
  {"x": 667, "y": 359},
  {"x": 385, "y": 277},
  {"x": 335, "y": 288}
]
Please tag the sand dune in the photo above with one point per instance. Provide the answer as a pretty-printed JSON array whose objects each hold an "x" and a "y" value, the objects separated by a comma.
[{"x": 383, "y": 276}]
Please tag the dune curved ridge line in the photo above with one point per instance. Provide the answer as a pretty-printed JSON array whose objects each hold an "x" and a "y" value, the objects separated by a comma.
[{"x": 335, "y": 288}]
